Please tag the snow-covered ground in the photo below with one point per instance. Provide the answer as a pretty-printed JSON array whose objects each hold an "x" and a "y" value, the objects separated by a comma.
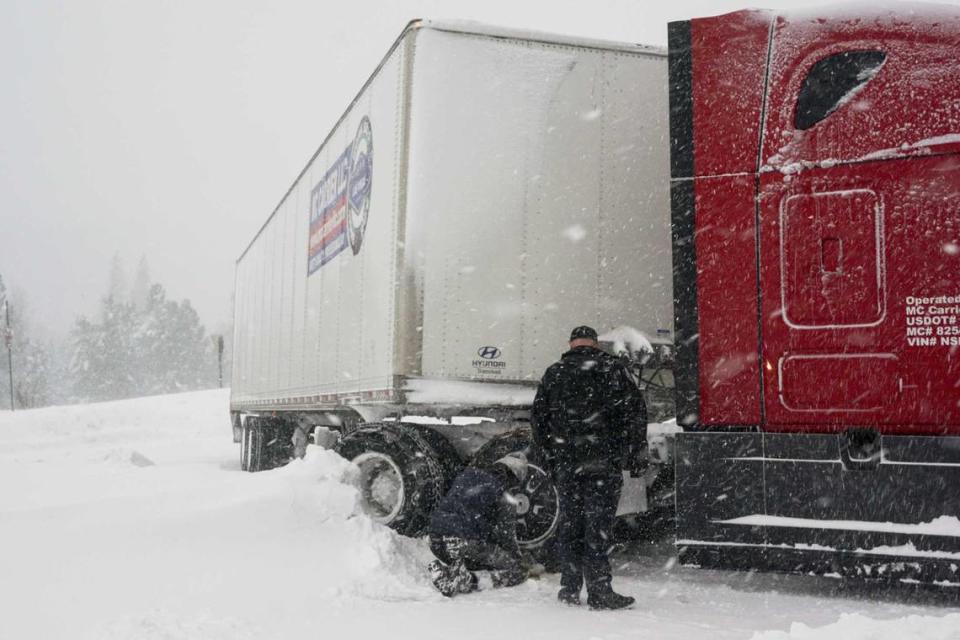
[{"x": 132, "y": 520}]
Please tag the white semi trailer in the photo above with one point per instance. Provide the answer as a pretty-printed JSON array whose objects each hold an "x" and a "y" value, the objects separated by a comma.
[{"x": 485, "y": 192}]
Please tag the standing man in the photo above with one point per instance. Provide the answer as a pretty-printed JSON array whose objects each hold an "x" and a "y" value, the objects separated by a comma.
[{"x": 589, "y": 421}]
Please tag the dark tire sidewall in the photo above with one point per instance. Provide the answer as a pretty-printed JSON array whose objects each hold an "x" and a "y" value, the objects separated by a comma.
[
  {"x": 244, "y": 446},
  {"x": 420, "y": 469},
  {"x": 500, "y": 446}
]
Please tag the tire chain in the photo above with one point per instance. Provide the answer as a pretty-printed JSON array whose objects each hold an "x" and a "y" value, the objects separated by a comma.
[{"x": 426, "y": 470}]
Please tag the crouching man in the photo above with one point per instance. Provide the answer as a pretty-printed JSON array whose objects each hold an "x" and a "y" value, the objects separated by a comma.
[{"x": 473, "y": 530}]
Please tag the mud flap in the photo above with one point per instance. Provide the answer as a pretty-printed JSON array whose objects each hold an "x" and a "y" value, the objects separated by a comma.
[
  {"x": 633, "y": 496},
  {"x": 849, "y": 504}
]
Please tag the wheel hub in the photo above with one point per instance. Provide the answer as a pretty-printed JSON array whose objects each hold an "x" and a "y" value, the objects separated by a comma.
[
  {"x": 381, "y": 486},
  {"x": 523, "y": 503},
  {"x": 538, "y": 508}
]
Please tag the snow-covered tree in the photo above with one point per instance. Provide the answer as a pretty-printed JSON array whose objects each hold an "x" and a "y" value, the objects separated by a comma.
[
  {"x": 140, "y": 289},
  {"x": 173, "y": 346},
  {"x": 4, "y": 377},
  {"x": 117, "y": 285},
  {"x": 104, "y": 362},
  {"x": 141, "y": 348},
  {"x": 30, "y": 355}
]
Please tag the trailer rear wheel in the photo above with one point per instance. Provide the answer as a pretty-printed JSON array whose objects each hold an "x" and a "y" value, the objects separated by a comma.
[
  {"x": 265, "y": 443},
  {"x": 254, "y": 435},
  {"x": 401, "y": 476},
  {"x": 448, "y": 457},
  {"x": 244, "y": 446},
  {"x": 538, "y": 513}
]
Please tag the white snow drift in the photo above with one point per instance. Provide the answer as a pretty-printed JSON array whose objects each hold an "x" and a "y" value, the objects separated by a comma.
[{"x": 131, "y": 520}]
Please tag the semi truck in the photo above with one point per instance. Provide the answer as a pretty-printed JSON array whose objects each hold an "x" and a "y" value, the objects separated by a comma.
[
  {"x": 815, "y": 195},
  {"x": 766, "y": 217},
  {"x": 486, "y": 191}
]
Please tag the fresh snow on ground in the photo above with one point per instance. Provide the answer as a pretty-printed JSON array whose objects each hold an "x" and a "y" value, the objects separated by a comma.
[
  {"x": 940, "y": 526},
  {"x": 132, "y": 520},
  {"x": 859, "y": 627}
]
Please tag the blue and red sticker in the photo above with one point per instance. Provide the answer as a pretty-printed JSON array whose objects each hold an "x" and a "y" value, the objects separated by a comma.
[{"x": 340, "y": 202}]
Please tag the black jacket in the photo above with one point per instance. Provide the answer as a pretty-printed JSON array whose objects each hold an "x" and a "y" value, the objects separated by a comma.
[
  {"x": 478, "y": 506},
  {"x": 589, "y": 416}
]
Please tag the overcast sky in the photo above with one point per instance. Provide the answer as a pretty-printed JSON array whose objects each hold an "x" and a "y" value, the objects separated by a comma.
[{"x": 170, "y": 129}]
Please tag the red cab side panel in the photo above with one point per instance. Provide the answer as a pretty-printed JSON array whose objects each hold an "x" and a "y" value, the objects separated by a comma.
[
  {"x": 831, "y": 258},
  {"x": 729, "y": 61},
  {"x": 860, "y": 270},
  {"x": 726, "y": 296},
  {"x": 860, "y": 224},
  {"x": 906, "y": 104}
]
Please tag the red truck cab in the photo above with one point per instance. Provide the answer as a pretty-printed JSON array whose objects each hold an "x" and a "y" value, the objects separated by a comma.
[{"x": 815, "y": 192}]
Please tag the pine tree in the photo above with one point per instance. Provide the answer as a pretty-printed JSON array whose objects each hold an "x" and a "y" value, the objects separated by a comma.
[
  {"x": 4, "y": 376},
  {"x": 87, "y": 362},
  {"x": 120, "y": 349},
  {"x": 143, "y": 344},
  {"x": 105, "y": 364},
  {"x": 172, "y": 345},
  {"x": 140, "y": 289},
  {"x": 117, "y": 285},
  {"x": 31, "y": 362},
  {"x": 30, "y": 355}
]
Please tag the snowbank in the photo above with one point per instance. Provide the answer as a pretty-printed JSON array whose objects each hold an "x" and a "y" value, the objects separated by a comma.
[
  {"x": 859, "y": 627},
  {"x": 132, "y": 521},
  {"x": 166, "y": 625},
  {"x": 319, "y": 491}
]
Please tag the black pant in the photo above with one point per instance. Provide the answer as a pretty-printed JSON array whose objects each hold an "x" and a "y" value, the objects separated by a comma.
[
  {"x": 588, "y": 508},
  {"x": 504, "y": 567}
]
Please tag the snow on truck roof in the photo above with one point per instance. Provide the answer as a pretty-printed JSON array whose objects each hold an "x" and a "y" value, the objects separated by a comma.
[
  {"x": 465, "y": 27},
  {"x": 479, "y": 29},
  {"x": 860, "y": 10}
]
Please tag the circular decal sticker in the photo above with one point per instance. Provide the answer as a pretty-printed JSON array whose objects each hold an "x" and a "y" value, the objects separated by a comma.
[{"x": 359, "y": 183}]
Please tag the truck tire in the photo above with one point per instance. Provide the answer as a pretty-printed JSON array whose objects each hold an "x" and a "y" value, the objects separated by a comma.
[
  {"x": 265, "y": 443},
  {"x": 448, "y": 457},
  {"x": 401, "y": 475},
  {"x": 252, "y": 457},
  {"x": 539, "y": 510},
  {"x": 246, "y": 433}
]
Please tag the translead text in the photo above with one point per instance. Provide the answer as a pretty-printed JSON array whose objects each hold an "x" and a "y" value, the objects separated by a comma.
[{"x": 933, "y": 321}]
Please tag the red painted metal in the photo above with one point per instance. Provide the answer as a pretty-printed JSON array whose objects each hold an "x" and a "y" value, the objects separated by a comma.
[
  {"x": 842, "y": 308},
  {"x": 897, "y": 223},
  {"x": 910, "y": 107},
  {"x": 726, "y": 298},
  {"x": 729, "y": 60}
]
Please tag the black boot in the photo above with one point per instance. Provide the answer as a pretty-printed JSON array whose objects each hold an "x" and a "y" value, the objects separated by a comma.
[
  {"x": 569, "y": 596},
  {"x": 609, "y": 600},
  {"x": 442, "y": 578}
]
